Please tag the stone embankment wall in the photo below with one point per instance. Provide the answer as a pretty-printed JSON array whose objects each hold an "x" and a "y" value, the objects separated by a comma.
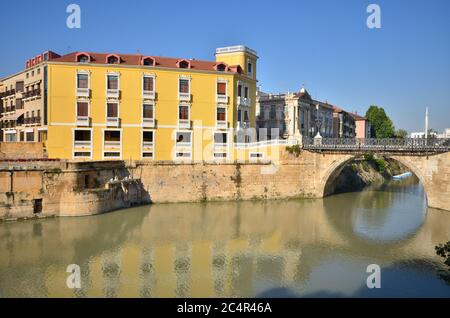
[
  {"x": 23, "y": 150},
  {"x": 63, "y": 188}
]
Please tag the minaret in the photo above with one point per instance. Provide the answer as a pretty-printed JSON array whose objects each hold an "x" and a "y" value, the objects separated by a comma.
[{"x": 426, "y": 123}]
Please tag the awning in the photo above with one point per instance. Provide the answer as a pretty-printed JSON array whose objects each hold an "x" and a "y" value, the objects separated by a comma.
[{"x": 14, "y": 116}]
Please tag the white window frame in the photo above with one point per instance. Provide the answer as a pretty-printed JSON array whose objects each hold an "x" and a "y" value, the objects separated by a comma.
[
  {"x": 89, "y": 148},
  {"x": 113, "y": 94},
  {"x": 182, "y": 148},
  {"x": 183, "y": 97},
  {"x": 183, "y": 125},
  {"x": 152, "y": 147},
  {"x": 221, "y": 125},
  {"x": 147, "y": 123},
  {"x": 120, "y": 144},
  {"x": 222, "y": 98},
  {"x": 221, "y": 148},
  {"x": 148, "y": 94},
  {"x": 83, "y": 92},
  {"x": 112, "y": 123},
  {"x": 80, "y": 120}
]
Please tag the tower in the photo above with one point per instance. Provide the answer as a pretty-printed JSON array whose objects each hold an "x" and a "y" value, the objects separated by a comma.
[{"x": 426, "y": 123}]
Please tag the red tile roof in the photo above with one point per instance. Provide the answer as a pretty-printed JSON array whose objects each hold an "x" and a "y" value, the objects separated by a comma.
[{"x": 136, "y": 59}]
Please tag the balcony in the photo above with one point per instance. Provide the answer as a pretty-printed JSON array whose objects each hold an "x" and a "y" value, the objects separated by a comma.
[
  {"x": 184, "y": 97},
  {"x": 223, "y": 99},
  {"x": 243, "y": 101},
  {"x": 112, "y": 121},
  {"x": 83, "y": 143},
  {"x": 112, "y": 93},
  {"x": 148, "y": 95},
  {"x": 83, "y": 121},
  {"x": 222, "y": 124},
  {"x": 83, "y": 92},
  {"x": 184, "y": 123},
  {"x": 148, "y": 122},
  {"x": 36, "y": 93}
]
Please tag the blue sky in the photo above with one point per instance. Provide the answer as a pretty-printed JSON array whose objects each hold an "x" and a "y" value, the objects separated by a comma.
[{"x": 403, "y": 67}]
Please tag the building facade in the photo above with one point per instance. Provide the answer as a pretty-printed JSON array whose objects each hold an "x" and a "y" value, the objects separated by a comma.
[
  {"x": 97, "y": 106},
  {"x": 363, "y": 127},
  {"x": 296, "y": 115}
]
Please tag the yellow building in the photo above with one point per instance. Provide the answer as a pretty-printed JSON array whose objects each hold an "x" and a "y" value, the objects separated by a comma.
[{"x": 98, "y": 106}]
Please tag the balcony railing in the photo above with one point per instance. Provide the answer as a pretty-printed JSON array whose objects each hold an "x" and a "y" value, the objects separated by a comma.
[
  {"x": 243, "y": 101},
  {"x": 148, "y": 94},
  {"x": 148, "y": 122},
  {"x": 83, "y": 92},
  {"x": 112, "y": 143},
  {"x": 184, "y": 123},
  {"x": 112, "y": 93},
  {"x": 31, "y": 94},
  {"x": 83, "y": 120},
  {"x": 147, "y": 144},
  {"x": 112, "y": 121},
  {"x": 222, "y": 124},
  {"x": 222, "y": 98},
  {"x": 378, "y": 145},
  {"x": 83, "y": 143},
  {"x": 184, "y": 97}
]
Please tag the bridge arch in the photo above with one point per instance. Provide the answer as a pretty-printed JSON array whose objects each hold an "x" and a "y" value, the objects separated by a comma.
[{"x": 330, "y": 173}]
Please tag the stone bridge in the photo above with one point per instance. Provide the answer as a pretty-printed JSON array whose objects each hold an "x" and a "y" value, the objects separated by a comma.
[{"x": 429, "y": 160}]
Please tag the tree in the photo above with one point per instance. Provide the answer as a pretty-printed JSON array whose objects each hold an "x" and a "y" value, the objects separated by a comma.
[
  {"x": 401, "y": 134},
  {"x": 382, "y": 126}
]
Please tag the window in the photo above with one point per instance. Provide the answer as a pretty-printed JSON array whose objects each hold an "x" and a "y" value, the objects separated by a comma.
[
  {"x": 148, "y": 84},
  {"x": 246, "y": 92},
  {"x": 112, "y": 59},
  {"x": 113, "y": 81},
  {"x": 38, "y": 71},
  {"x": 19, "y": 86},
  {"x": 148, "y": 61},
  {"x": 30, "y": 136},
  {"x": 221, "y": 88},
  {"x": 239, "y": 90},
  {"x": 82, "y": 139},
  {"x": 112, "y": 135},
  {"x": 83, "y": 81},
  {"x": 147, "y": 137},
  {"x": 147, "y": 111},
  {"x": 83, "y": 58},
  {"x": 273, "y": 112},
  {"x": 82, "y": 109},
  {"x": 221, "y": 67},
  {"x": 183, "y": 138},
  {"x": 239, "y": 115},
  {"x": 28, "y": 75},
  {"x": 184, "y": 64},
  {"x": 221, "y": 114},
  {"x": 220, "y": 138},
  {"x": 112, "y": 110},
  {"x": 32, "y": 73},
  {"x": 183, "y": 116},
  {"x": 38, "y": 114},
  {"x": 184, "y": 86},
  {"x": 249, "y": 67}
]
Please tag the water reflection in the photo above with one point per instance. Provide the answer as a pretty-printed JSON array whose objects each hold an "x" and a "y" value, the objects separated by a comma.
[{"x": 280, "y": 248}]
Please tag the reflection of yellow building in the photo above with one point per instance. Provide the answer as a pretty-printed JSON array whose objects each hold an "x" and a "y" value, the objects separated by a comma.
[{"x": 118, "y": 106}]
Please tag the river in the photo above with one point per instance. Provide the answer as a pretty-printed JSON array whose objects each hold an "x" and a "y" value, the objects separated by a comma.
[{"x": 285, "y": 248}]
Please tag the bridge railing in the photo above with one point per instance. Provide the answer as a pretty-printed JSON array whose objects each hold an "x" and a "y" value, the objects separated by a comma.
[{"x": 374, "y": 144}]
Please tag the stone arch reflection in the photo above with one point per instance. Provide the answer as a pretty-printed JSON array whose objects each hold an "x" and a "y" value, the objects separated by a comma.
[{"x": 389, "y": 214}]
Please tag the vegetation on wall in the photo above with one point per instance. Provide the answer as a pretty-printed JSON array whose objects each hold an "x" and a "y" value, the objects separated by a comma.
[{"x": 294, "y": 150}]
